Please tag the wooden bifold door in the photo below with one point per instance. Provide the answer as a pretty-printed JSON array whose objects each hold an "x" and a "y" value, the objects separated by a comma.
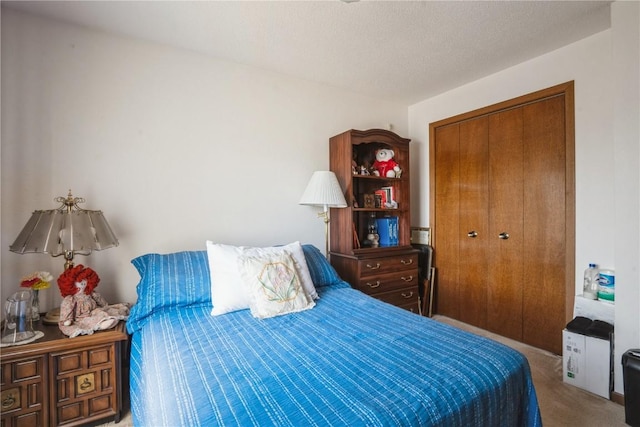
[{"x": 502, "y": 209}]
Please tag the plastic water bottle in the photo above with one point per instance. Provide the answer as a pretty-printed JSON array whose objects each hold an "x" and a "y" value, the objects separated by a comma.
[{"x": 590, "y": 287}]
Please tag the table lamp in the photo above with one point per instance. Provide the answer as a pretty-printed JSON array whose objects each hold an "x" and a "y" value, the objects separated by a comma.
[{"x": 66, "y": 231}]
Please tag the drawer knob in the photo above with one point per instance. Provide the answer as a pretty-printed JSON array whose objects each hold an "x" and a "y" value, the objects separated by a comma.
[
  {"x": 407, "y": 294},
  {"x": 407, "y": 262},
  {"x": 374, "y": 267},
  {"x": 407, "y": 279},
  {"x": 374, "y": 285}
]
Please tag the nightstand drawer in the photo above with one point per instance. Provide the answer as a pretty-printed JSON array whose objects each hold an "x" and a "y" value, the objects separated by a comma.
[
  {"x": 85, "y": 383},
  {"x": 387, "y": 282},
  {"x": 22, "y": 397},
  {"x": 388, "y": 264}
]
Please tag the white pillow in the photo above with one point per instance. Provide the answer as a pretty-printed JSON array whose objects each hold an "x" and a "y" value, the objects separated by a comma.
[
  {"x": 229, "y": 291},
  {"x": 274, "y": 284}
]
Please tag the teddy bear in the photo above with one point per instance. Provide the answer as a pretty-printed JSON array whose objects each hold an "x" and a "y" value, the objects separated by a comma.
[{"x": 385, "y": 165}]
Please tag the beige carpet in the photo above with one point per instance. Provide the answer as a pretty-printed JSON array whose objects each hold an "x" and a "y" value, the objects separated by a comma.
[{"x": 561, "y": 405}]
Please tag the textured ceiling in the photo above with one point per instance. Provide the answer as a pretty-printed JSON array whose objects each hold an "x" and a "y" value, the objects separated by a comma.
[{"x": 402, "y": 51}]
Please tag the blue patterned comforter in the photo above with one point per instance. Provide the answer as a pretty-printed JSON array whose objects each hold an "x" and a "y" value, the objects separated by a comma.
[{"x": 350, "y": 361}]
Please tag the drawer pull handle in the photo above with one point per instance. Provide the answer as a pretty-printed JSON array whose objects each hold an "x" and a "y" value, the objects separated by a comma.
[
  {"x": 407, "y": 279},
  {"x": 10, "y": 399},
  {"x": 8, "y": 402},
  {"x": 374, "y": 285},
  {"x": 407, "y": 294},
  {"x": 86, "y": 384},
  {"x": 407, "y": 262},
  {"x": 377, "y": 266}
]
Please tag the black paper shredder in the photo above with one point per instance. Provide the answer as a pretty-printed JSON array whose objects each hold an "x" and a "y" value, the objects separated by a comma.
[{"x": 631, "y": 376}]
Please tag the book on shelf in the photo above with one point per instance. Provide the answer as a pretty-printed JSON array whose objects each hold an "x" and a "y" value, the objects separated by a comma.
[{"x": 390, "y": 193}]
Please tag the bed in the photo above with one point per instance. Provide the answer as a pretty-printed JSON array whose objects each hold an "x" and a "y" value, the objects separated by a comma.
[{"x": 351, "y": 360}]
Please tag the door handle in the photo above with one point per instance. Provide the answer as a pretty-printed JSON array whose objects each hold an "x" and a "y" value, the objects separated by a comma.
[
  {"x": 473, "y": 234},
  {"x": 503, "y": 235}
]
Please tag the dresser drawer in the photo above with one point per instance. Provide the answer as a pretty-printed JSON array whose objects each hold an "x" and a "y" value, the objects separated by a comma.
[
  {"x": 413, "y": 307},
  {"x": 387, "y": 282},
  {"x": 387, "y": 264},
  {"x": 404, "y": 298}
]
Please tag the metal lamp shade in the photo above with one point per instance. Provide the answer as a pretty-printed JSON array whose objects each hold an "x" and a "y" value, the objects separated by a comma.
[{"x": 61, "y": 231}]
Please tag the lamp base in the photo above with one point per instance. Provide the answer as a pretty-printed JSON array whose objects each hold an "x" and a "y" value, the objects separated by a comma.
[{"x": 52, "y": 317}]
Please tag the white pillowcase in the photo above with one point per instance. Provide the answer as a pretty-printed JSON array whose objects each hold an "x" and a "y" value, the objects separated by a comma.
[
  {"x": 229, "y": 291},
  {"x": 274, "y": 284}
]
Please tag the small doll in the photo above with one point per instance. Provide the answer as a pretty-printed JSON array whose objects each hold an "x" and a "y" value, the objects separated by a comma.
[{"x": 84, "y": 311}]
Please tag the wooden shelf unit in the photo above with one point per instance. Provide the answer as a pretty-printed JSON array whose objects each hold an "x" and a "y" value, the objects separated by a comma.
[{"x": 389, "y": 273}]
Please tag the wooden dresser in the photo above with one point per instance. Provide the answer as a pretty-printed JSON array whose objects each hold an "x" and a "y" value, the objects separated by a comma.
[
  {"x": 61, "y": 381},
  {"x": 390, "y": 278}
]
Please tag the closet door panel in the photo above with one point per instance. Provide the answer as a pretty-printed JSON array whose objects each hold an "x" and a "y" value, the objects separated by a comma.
[
  {"x": 474, "y": 224},
  {"x": 544, "y": 216},
  {"x": 446, "y": 238},
  {"x": 505, "y": 274}
]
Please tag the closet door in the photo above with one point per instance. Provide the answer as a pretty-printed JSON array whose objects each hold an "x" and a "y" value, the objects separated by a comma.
[
  {"x": 506, "y": 184},
  {"x": 446, "y": 155},
  {"x": 545, "y": 246},
  {"x": 474, "y": 221},
  {"x": 503, "y": 212}
]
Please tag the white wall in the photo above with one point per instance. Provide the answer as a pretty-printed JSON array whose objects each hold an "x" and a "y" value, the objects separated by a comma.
[
  {"x": 604, "y": 196},
  {"x": 172, "y": 146},
  {"x": 625, "y": 20}
]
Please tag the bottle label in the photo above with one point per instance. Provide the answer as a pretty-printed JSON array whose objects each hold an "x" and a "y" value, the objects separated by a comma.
[{"x": 606, "y": 286}]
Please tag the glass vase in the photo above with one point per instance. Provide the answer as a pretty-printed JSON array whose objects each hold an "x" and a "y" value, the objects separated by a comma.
[{"x": 35, "y": 306}]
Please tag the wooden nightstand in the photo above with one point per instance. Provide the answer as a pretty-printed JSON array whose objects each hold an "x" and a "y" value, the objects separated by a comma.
[{"x": 58, "y": 380}]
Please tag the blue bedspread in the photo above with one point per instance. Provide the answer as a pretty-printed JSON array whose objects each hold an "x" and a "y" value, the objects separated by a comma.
[{"x": 350, "y": 361}]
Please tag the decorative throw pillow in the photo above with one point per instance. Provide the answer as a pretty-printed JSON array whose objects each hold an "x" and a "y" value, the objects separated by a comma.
[
  {"x": 274, "y": 284},
  {"x": 228, "y": 290},
  {"x": 295, "y": 249}
]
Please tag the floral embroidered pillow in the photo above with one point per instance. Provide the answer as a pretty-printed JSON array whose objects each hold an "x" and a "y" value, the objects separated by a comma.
[{"x": 274, "y": 285}]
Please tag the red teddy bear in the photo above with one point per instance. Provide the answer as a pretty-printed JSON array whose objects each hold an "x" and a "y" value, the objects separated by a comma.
[{"x": 385, "y": 165}]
